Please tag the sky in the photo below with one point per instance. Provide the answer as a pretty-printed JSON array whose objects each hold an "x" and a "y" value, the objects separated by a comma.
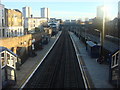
[{"x": 65, "y": 9}]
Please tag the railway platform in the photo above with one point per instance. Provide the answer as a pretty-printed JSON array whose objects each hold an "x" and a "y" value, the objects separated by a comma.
[
  {"x": 59, "y": 69},
  {"x": 96, "y": 74},
  {"x": 31, "y": 63}
]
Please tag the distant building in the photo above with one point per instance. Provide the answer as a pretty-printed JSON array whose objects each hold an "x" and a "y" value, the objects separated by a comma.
[
  {"x": 45, "y": 13},
  {"x": 14, "y": 23},
  {"x": 27, "y": 12},
  {"x": 101, "y": 11},
  {"x": 67, "y": 21},
  {"x": 52, "y": 20},
  {"x": 86, "y": 19},
  {"x": 119, "y": 9},
  {"x": 73, "y": 21},
  {"x": 2, "y": 21},
  {"x": 33, "y": 22},
  {"x": 54, "y": 23}
]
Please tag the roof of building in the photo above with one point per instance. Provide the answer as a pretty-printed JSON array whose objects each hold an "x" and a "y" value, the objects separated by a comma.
[
  {"x": 6, "y": 49},
  {"x": 17, "y": 10},
  {"x": 2, "y": 4}
]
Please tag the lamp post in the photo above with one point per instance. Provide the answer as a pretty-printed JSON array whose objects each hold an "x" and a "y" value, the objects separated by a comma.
[{"x": 102, "y": 34}]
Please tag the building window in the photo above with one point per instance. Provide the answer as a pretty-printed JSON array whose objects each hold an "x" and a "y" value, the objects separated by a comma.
[
  {"x": 8, "y": 58},
  {"x": 7, "y": 34},
  {"x": 3, "y": 32},
  {"x": 3, "y": 59},
  {"x": 2, "y": 13},
  {"x": 21, "y": 31},
  {"x": 2, "y": 22},
  {"x": 18, "y": 32},
  {"x": 12, "y": 61},
  {"x": 11, "y": 74},
  {"x": 11, "y": 32},
  {"x": 15, "y": 32},
  {"x": 0, "y": 33}
]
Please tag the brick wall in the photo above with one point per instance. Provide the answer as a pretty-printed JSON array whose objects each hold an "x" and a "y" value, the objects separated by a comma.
[{"x": 21, "y": 45}]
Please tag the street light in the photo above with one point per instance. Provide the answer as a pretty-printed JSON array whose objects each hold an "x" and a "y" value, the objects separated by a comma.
[
  {"x": 103, "y": 30},
  {"x": 101, "y": 58}
]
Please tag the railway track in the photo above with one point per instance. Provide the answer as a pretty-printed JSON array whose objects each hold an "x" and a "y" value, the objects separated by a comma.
[{"x": 60, "y": 69}]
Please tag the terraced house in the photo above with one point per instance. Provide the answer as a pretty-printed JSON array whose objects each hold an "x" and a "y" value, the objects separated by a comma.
[{"x": 14, "y": 23}]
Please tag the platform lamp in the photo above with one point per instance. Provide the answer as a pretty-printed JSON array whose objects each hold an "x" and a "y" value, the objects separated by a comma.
[{"x": 102, "y": 35}]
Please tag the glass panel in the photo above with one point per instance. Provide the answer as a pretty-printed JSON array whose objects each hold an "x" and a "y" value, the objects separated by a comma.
[
  {"x": 2, "y": 54},
  {"x": 3, "y": 61},
  {"x": 3, "y": 58},
  {"x": 117, "y": 58},
  {"x": 11, "y": 75},
  {"x": 8, "y": 58},
  {"x": 10, "y": 61},
  {"x": 113, "y": 58}
]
